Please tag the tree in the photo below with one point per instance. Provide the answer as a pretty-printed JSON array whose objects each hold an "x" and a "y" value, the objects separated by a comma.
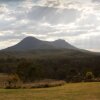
[
  {"x": 89, "y": 76},
  {"x": 13, "y": 81}
]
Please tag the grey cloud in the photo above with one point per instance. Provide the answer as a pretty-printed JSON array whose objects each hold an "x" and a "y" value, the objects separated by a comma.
[
  {"x": 7, "y": 1},
  {"x": 10, "y": 3},
  {"x": 50, "y": 13},
  {"x": 95, "y": 0},
  {"x": 52, "y": 3},
  {"x": 53, "y": 15},
  {"x": 6, "y": 25},
  {"x": 67, "y": 34},
  {"x": 89, "y": 43},
  {"x": 9, "y": 36}
]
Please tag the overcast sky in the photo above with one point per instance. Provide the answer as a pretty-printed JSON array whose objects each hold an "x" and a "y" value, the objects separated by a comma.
[{"x": 76, "y": 21}]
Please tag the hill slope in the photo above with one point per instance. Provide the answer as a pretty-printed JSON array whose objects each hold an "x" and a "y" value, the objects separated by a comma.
[
  {"x": 48, "y": 60},
  {"x": 31, "y": 43}
]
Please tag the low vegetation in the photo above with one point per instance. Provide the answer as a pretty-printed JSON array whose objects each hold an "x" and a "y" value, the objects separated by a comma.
[
  {"x": 43, "y": 84},
  {"x": 72, "y": 91},
  {"x": 67, "y": 65},
  {"x": 13, "y": 82}
]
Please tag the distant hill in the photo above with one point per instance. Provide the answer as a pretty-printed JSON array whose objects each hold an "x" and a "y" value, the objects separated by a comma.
[
  {"x": 62, "y": 44},
  {"x": 33, "y": 59},
  {"x": 31, "y": 43}
]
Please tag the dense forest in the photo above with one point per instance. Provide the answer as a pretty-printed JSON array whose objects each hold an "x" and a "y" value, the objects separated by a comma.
[{"x": 68, "y": 65}]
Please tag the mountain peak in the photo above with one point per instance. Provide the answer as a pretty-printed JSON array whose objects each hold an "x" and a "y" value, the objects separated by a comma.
[
  {"x": 60, "y": 40},
  {"x": 29, "y": 38},
  {"x": 60, "y": 43},
  {"x": 32, "y": 43}
]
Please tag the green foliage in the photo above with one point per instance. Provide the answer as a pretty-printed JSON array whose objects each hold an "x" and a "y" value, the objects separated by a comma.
[{"x": 51, "y": 64}]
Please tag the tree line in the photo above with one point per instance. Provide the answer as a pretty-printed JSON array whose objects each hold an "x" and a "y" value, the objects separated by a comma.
[{"x": 70, "y": 69}]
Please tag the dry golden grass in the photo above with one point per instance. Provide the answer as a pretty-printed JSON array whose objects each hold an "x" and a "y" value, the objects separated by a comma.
[
  {"x": 71, "y": 91},
  {"x": 43, "y": 84}
]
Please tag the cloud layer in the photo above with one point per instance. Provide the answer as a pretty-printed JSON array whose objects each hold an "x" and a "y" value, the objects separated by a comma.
[{"x": 76, "y": 21}]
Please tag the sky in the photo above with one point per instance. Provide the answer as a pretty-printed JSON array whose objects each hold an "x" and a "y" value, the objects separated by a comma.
[{"x": 76, "y": 21}]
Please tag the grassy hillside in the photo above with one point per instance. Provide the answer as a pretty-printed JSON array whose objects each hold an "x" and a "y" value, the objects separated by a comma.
[{"x": 78, "y": 91}]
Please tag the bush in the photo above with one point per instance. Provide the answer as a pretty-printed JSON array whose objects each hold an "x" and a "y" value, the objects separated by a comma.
[
  {"x": 44, "y": 84},
  {"x": 13, "y": 82},
  {"x": 89, "y": 76}
]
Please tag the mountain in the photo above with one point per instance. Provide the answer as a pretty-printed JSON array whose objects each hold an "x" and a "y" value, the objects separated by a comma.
[
  {"x": 51, "y": 60},
  {"x": 62, "y": 44},
  {"x": 32, "y": 43}
]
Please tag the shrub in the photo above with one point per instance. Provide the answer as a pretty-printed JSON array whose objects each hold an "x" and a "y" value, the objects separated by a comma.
[
  {"x": 89, "y": 76},
  {"x": 13, "y": 82},
  {"x": 44, "y": 84}
]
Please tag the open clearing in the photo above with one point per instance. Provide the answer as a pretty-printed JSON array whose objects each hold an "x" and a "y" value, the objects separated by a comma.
[{"x": 71, "y": 91}]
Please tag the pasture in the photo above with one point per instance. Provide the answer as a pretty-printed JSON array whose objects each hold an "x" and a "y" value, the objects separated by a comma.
[{"x": 69, "y": 91}]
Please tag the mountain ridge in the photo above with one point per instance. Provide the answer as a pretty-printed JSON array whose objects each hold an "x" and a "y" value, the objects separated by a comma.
[{"x": 32, "y": 43}]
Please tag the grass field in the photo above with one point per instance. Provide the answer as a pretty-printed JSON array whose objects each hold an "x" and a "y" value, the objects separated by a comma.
[{"x": 71, "y": 91}]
